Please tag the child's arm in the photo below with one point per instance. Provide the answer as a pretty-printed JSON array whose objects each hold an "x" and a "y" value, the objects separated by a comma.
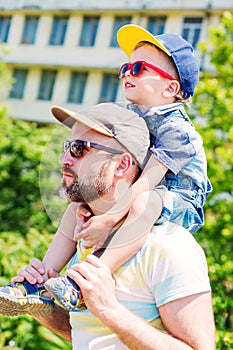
[
  {"x": 131, "y": 236},
  {"x": 97, "y": 229},
  {"x": 61, "y": 249}
]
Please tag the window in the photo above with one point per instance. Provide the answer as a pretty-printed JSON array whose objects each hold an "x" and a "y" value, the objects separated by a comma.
[
  {"x": 4, "y": 28},
  {"x": 192, "y": 29},
  {"x": 30, "y": 29},
  {"x": 89, "y": 30},
  {"x": 20, "y": 76},
  {"x": 77, "y": 87},
  {"x": 119, "y": 22},
  {"x": 46, "y": 84},
  {"x": 109, "y": 88},
  {"x": 156, "y": 25},
  {"x": 58, "y": 32}
]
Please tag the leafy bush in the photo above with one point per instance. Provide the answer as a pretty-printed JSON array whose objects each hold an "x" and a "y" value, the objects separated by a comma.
[{"x": 26, "y": 229}]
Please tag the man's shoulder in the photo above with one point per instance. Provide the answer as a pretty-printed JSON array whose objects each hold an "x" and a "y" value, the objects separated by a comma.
[
  {"x": 168, "y": 230},
  {"x": 170, "y": 237}
]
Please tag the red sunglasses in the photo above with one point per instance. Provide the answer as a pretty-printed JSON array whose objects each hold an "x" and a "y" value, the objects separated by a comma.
[{"x": 137, "y": 67}]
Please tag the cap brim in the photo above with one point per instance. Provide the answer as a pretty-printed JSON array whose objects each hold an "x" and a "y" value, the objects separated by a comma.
[
  {"x": 68, "y": 118},
  {"x": 130, "y": 35}
]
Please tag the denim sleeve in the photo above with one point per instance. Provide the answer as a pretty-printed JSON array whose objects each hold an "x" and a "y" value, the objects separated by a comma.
[{"x": 176, "y": 143}]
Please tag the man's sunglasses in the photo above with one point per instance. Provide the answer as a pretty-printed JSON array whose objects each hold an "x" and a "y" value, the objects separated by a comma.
[
  {"x": 137, "y": 67},
  {"x": 76, "y": 147}
]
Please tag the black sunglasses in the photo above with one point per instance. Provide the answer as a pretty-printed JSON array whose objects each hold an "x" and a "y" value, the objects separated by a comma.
[
  {"x": 136, "y": 68},
  {"x": 76, "y": 147}
]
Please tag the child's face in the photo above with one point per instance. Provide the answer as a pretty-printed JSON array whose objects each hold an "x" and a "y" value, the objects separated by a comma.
[{"x": 147, "y": 88}]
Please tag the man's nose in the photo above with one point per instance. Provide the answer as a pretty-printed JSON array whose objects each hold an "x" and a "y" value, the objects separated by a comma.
[{"x": 66, "y": 158}]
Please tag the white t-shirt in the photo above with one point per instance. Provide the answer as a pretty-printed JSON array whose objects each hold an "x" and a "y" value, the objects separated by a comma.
[{"x": 170, "y": 265}]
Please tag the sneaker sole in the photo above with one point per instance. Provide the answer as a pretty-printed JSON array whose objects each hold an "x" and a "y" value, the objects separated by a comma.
[{"x": 31, "y": 305}]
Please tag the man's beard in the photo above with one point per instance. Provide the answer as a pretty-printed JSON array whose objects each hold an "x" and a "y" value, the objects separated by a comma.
[{"x": 93, "y": 187}]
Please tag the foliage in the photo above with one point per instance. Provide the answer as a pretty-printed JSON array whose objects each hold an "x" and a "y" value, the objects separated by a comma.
[
  {"x": 213, "y": 108},
  {"x": 22, "y": 144},
  {"x": 25, "y": 227}
]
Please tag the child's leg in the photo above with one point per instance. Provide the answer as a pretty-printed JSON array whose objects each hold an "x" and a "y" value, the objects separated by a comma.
[
  {"x": 66, "y": 292},
  {"x": 26, "y": 294},
  {"x": 63, "y": 289},
  {"x": 131, "y": 236},
  {"x": 23, "y": 297}
]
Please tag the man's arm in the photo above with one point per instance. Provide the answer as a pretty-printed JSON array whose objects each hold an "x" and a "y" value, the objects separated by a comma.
[
  {"x": 58, "y": 322},
  {"x": 191, "y": 320},
  {"x": 188, "y": 320},
  {"x": 137, "y": 334}
]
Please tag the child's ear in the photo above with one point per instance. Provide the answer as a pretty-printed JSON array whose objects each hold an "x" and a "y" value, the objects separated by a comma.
[
  {"x": 172, "y": 88},
  {"x": 123, "y": 164}
]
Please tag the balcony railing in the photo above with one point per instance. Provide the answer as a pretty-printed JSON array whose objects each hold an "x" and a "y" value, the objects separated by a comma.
[{"x": 115, "y": 4}]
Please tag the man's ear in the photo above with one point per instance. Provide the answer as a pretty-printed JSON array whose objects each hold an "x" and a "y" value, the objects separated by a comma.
[
  {"x": 172, "y": 89},
  {"x": 124, "y": 163}
]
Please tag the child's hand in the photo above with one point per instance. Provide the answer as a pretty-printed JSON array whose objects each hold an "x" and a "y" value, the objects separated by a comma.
[
  {"x": 95, "y": 231},
  {"x": 82, "y": 216}
]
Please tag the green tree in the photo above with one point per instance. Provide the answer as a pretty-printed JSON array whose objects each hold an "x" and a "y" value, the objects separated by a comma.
[
  {"x": 25, "y": 227},
  {"x": 213, "y": 110}
]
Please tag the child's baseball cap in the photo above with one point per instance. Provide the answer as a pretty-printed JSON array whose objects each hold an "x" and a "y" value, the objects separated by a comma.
[{"x": 173, "y": 45}]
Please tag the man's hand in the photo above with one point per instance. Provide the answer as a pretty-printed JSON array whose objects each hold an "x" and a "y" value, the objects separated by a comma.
[
  {"x": 96, "y": 283},
  {"x": 82, "y": 216}
]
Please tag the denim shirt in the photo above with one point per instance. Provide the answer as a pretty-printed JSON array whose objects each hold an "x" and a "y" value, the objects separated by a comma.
[{"x": 176, "y": 144}]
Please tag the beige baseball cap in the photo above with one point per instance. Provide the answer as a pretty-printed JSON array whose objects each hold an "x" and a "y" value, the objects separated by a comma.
[{"x": 113, "y": 120}]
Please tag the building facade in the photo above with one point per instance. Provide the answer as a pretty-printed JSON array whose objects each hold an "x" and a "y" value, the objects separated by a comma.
[{"x": 66, "y": 53}]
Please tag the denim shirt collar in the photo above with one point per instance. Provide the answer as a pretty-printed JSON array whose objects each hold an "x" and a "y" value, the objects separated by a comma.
[{"x": 159, "y": 110}]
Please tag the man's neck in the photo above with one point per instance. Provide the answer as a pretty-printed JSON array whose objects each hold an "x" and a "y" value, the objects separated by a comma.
[
  {"x": 99, "y": 207},
  {"x": 106, "y": 202}
]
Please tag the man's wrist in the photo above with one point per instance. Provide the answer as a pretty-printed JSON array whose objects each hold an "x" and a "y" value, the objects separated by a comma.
[{"x": 111, "y": 315}]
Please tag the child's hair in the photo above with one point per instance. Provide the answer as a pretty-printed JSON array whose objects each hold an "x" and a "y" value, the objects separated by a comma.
[{"x": 170, "y": 67}]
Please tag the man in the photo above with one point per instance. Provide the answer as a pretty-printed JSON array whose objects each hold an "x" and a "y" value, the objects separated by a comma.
[{"x": 164, "y": 286}]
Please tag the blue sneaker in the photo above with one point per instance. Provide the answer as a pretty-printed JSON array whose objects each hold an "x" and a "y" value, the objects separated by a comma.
[
  {"x": 24, "y": 298},
  {"x": 66, "y": 292}
]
